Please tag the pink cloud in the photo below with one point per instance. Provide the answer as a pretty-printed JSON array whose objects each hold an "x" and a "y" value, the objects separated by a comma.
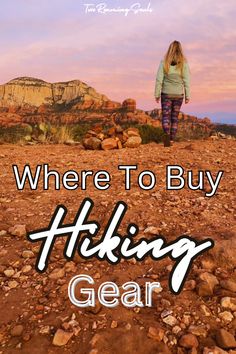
[{"x": 119, "y": 56}]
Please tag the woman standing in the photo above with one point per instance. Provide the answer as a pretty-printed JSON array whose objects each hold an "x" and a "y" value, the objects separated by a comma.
[{"x": 173, "y": 77}]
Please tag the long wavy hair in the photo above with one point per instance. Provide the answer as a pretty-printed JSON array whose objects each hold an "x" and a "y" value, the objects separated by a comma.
[{"x": 174, "y": 54}]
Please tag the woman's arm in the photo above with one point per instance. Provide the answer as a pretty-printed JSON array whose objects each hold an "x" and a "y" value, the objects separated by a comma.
[
  {"x": 159, "y": 80},
  {"x": 186, "y": 81}
]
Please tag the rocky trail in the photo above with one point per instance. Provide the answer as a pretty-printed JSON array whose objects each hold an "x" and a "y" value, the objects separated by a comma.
[{"x": 36, "y": 315}]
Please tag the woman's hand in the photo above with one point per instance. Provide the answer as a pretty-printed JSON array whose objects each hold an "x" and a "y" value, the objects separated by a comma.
[
  {"x": 187, "y": 100},
  {"x": 157, "y": 99}
]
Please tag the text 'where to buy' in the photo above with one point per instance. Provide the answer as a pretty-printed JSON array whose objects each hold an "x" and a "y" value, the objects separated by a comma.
[{"x": 176, "y": 178}]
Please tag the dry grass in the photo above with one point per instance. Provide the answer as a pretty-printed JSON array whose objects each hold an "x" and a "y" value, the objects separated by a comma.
[{"x": 61, "y": 134}]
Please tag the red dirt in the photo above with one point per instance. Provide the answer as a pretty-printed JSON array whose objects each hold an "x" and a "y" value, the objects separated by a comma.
[{"x": 38, "y": 301}]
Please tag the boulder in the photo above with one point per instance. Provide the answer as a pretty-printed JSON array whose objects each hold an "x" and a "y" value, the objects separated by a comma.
[
  {"x": 188, "y": 341},
  {"x": 133, "y": 142},
  {"x": 92, "y": 143},
  {"x": 111, "y": 131},
  {"x": 129, "y": 105},
  {"x": 118, "y": 128},
  {"x": 109, "y": 144},
  {"x": 111, "y": 106},
  {"x": 132, "y": 132}
]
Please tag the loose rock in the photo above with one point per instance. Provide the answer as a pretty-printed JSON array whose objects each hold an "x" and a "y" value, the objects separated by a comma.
[
  {"x": 109, "y": 144},
  {"x": 228, "y": 285},
  {"x": 188, "y": 341},
  {"x": 9, "y": 272},
  {"x": 133, "y": 142},
  {"x": 225, "y": 339},
  {"x": 156, "y": 333},
  {"x": 12, "y": 284},
  {"x": 18, "y": 230},
  {"x": 57, "y": 274},
  {"x": 170, "y": 320},
  {"x": 226, "y": 316},
  {"x": 26, "y": 269},
  {"x": 228, "y": 303},
  {"x": 27, "y": 254},
  {"x": 61, "y": 337},
  {"x": 17, "y": 331}
]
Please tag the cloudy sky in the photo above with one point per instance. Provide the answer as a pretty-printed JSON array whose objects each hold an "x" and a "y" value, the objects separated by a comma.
[{"x": 118, "y": 55}]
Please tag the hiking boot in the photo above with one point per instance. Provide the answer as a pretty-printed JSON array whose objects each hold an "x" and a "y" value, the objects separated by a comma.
[{"x": 166, "y": 140}]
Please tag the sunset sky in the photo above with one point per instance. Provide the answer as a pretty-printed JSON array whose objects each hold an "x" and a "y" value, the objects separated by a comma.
[{"x": 118, "y": 55}]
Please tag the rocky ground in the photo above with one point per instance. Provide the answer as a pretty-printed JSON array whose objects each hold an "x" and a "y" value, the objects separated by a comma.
[{"x": 36, "y": 315}]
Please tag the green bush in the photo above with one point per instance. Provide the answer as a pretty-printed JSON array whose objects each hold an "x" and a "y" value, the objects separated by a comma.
[
  {"x": 149, "y": 133},
  {"x": 79, "y": 130}
]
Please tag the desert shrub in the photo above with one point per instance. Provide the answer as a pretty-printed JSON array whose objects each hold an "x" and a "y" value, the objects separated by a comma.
[
  {"x": 15, "y": 134},
  {"x": 79, "y": 130},
  {"x": 229, "y": 129},
  {"x": 60, "y": 134},
  {"x": 149, "y": 133},
  {"x": 189, "y": 131}
]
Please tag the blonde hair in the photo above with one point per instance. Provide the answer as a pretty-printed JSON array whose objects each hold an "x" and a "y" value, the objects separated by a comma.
[{"x": 174, "y": 53}]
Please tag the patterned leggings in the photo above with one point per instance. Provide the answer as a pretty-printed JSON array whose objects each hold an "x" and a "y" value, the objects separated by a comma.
[{"x": 170, "y": 111}]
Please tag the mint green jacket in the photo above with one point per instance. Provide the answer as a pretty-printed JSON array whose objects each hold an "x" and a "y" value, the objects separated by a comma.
[{"x": 172, "y": 83}]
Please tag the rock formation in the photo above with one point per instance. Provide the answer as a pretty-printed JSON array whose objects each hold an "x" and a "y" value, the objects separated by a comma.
[
  {"x": 114, "y": 138},
  {"x": 32, "y": 101},
  {"x": 29, "y": 92},
  {"x": 29, "y": 100}
]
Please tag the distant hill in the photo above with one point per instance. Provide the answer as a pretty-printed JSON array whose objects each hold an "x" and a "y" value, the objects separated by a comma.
[
  {"x": 31, "y": 94},
  {"x": 26, "y": 102}
]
